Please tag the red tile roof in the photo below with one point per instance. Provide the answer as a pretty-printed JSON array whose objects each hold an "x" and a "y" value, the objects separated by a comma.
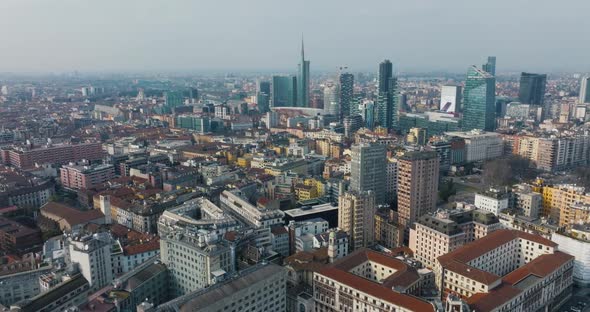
[
  {"x": 71, "y": 215},
  {"x": 151, "y": 245}
]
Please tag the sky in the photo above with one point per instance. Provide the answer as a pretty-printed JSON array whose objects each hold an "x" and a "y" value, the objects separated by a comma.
[{"x": 265, "y": 35}]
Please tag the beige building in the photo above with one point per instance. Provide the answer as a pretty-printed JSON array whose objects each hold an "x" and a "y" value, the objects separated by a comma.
[
  {"x": 370, "y": 281},
  {"x": 439, "y": 234},
  {"x": 355, "y": 217},
  {"x": 508, "y": 270},
  {"x": 417, "y": 186}
]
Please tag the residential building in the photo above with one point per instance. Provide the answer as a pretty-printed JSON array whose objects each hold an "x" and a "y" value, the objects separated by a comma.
[
  {"x": 492, "y": 200},
  {"x": 255, "y": 216},
  {"x": 370, "y": 281},
  {"x": 391, "y": 180},
  {"x": 508, "y": 270},
  {"x": 19, "y": 284},
  {"x": 69, "y": 294},
  {"x": 355, "y": 217},
  {"x": 576, "y": 242},
  {"x": 92, "y": 255},
  {"x": 367, "y": 165},
  {"x": 258, "y": 288},
  {"x": 16, "y": 238},
  {"x": 480, "y": 99},
  {"x": 28, "y": 156},
  {"x": 438, "y": 234},
  {"x": 346, "y": 99},
  {"x": 77, "y": 177},
  {"x": 417, "y": 186}
]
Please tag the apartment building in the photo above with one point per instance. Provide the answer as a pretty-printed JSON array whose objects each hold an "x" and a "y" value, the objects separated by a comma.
[{"x": 77, "y": 177}]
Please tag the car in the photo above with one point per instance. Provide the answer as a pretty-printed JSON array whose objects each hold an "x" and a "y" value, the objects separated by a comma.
[{"x": 575, "y": 309}]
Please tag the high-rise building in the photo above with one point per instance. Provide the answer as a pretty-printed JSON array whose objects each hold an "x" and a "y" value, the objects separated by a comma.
[
  {"x": 173, "y": 99},
  {"x": 331, "y": 105},
  {"x": 263, "y": 96},
  {"x": 346, "y": 94},
  {"x": 303, "y": 80},
  {"x": 585, "y": 90},
  {"x": 450, "y": 99},
  {"x": 480, "y": 100},
  {"x": 385, "y": 73},
  {"x": 367, "y": 169},
  {"x": 92, "y": 254},
  {"x": 532, "y": 88},
  {"x": 351, "y": 124},
  {"x": 356, "y": 212},
  {"x": 417, "y": 186},
  {"x": 490, "y": 66},
  {"x": 284, "y": 91},
  {"x": 387, "y": 97}
]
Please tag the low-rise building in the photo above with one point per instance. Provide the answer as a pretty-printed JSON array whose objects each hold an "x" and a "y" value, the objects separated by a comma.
[
  {"x": 70, "y": 293},
  {"x": 492, "y": 200},
  {"x": 576, "y": 242}
]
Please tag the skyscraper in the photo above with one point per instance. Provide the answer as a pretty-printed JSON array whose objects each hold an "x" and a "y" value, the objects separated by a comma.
[
  {"x": 532, "y": 88},
  {"x": 346, "y": 94},
  {"x": 490, "y": 66},
  {"x": 356, "y": 212},
  {"x": 303, "y": 80},
  {"x": 387, "y": 97},
  {"x": 585, "y": 90},
  {"x": 450, "y": 99},
  {"x": 263, "y": 96},
  {"x": 284, "y": 91},
  {"x": 173, "y": 99},
  {"x": 479, "y": 100},
  {"x": 367, "y": 169},
  {"x": 331, "y": 105},
  {"x": 417, "y": 186}
]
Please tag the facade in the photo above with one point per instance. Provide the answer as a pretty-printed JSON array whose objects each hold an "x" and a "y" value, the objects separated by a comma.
[
  {"x": 508, "y": 270},
  {"x": 346, "y": 94},
  {"x": 529, "y": 203},
  {"x": 450, "y": 99},
  {"x": 351, "y": 124},
  {"x": 249, "y": 214},
  {"x": 493, "y": 201},
  {"x": 303, "y": 80},
  {"x": 78, "y": 177},
  {"x": 191, "y": 245},
  {"x": 585, "y": 90},
  {"x": 480, "y": 100},
  {"x": 27, "y": 157},
  {"x": 532, "y": 88},
  {"x": 479, "y": 145},
  {"x": 355, "y": 217},
  {"x": 68, "y": 294},
  {"x": 367, "y": 165},
  {"x": 417, "y": 186},
  {"x": 490, "y": 66},
  {"x": 92, "y": 254},
  {"x": 199, "y": 124},
  {"x": 284, "y": 91},
  {"x": 16, "y": 238},
  {"x": 387, "y": 102},
  {"x": 331, "y": 99},
  {"x": 257, "y": 289},
  {"x": 576, "y": 242},
  {"x": 369, "y": 281},
  {"x": 559, "y": 202},
  {"x": 438, "y": 234},
  {"x": 391, "y": 180},
  {"x": 19, "y": 286},
  {"x": 553, "y": 153}
]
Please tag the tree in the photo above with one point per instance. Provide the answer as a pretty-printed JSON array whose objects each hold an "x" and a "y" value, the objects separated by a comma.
[
  {"x": 446, "y": 190},
  {"x": 507, "y": 171}
]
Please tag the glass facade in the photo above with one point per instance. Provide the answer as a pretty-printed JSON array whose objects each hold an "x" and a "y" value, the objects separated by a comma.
[
  {"x": 532, "y": 88},
  {"x": 284, "y": 91},
  {"x": 480, "y": 100}
]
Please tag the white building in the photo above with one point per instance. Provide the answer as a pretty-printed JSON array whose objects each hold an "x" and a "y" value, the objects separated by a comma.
[
  {"x": 331, "y": 97},
  {"x": 493, "y": 201},
  {"x": 480, "y": 145},
  {"x": 578, "y": 247},
  {"x": 92, "y": 253},
  {"x": 248, "y": 213},
  {"x": 450, "y": 99}
]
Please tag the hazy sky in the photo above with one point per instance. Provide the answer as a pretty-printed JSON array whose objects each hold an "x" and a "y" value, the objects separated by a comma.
[{"x": 234, "y": 35}]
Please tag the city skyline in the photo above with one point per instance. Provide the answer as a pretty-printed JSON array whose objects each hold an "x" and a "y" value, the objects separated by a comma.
[{"x": 189, "y": 36}]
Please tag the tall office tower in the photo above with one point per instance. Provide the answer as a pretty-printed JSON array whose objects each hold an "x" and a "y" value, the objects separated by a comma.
[
  {"x": 284, "y": 91},
  {"x": 480, "y": 100},
  {"x": 331, "y": 105},
  {"x": 387, "y": 110},
  {"x": 417, "y": 186},
  {"x": 346, "y": 94},
  {"x": 490, "y": 66},
  {"x": 532, "y": 88},
  {"x": 193, "y": 95},
  {"x": 585, "y": 90},
  {"x": 303, "y": 80},
  {"x": 173, "y": 99},
  {"x": 450, "y": 99},
  {"x": 263, "y": 96},
  {"x": 367, "y": 169},
  {"x": 356, "y": 213}
]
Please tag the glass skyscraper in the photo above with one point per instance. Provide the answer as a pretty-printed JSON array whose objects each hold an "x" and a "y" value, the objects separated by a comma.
[
  {"x": 585, "y": 90},
  {"x": 490, "y": 66},
  {"x": 367, "y": 166},
  {"x": 387, "y": 97},
  {"x": 479, "y": 100},
  {"x": 303, "y": 81},
  {"x": 284, "y": 91},
  {"x": 346, "y": 94},
  {"x": 532, "y": 88},
  {"x": 263, "y": 96},
  {"x": 173, "y": 99}
]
